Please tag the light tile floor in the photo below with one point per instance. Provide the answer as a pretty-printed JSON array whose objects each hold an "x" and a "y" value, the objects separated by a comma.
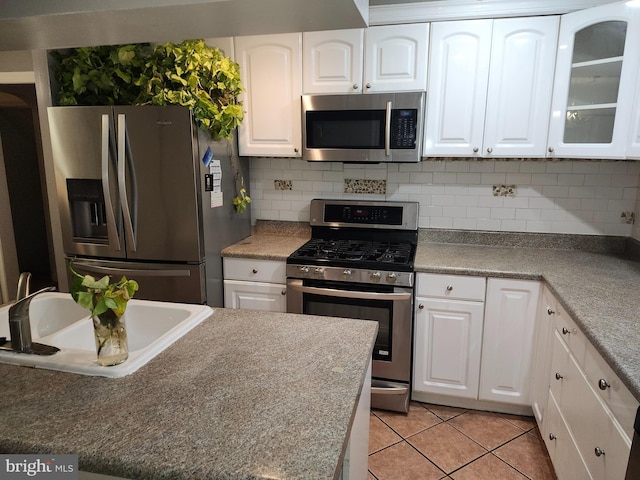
[{"x": 434, "y": 442}]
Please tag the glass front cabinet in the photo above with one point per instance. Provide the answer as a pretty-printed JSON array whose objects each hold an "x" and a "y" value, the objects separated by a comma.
[{"x": 595, "y": 79}]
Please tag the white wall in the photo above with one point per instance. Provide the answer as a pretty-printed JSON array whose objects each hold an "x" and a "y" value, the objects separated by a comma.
[{"x": 566, "y": 196}]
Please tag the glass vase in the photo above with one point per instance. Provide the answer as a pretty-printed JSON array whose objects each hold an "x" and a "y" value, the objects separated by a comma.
[{"x": 111, "y": 338}]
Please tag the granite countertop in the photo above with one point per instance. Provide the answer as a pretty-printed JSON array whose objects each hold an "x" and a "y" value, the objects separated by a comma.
[
  {"x": 597, "y": 287},
  {"x": 271, "y": 240},
  {"x": 245, "y": 395}
]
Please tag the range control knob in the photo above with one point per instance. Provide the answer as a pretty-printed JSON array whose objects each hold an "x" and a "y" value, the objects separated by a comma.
[
  {"x": 347, "y": 273},
  {"x": 304, "y": 269},
  {"x": 391, "y": 277},
  {"x": 375, "y": 276},
  {"x": 319, "y": 270}
]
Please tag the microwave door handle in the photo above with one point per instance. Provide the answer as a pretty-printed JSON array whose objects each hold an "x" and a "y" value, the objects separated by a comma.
[
  {"x": 387, "y": 130},
  {"x": 122, "y": 182},
  {"x": 112, "y": 230},
  {"x": 349, "y": 293}
]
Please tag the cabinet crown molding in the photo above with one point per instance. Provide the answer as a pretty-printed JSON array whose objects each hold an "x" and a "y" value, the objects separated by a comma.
[{"x": 441, "y": 10}]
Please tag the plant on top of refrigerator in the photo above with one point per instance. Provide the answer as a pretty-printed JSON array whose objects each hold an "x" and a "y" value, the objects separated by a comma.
[{"x": 190, "y": 74}]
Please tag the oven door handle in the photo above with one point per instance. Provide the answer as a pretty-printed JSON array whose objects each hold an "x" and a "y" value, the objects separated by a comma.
[
  {"x": 389, "y": 390},
  {"x": 350, "y": 293}
]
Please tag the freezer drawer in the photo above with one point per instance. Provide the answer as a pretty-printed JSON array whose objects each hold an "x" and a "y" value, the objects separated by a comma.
[{"x": 183, "y": 283}]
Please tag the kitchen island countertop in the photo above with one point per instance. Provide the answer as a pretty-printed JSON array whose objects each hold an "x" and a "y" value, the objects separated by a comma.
[{"x": 244, "y": 395}]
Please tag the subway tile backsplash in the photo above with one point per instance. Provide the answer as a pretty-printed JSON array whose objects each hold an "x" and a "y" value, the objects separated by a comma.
[{"x": 548, "y": 196}]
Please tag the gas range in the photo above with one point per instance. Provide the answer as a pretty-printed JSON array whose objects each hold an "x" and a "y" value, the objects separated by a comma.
[{"x": 359, "y": 242}]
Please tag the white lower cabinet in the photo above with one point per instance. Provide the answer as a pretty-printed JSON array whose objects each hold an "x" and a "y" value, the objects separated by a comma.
[
  {"x": 255, "y": 284},
  {"x": 469, "y": 347},
  {"x": 472, "y": 348},
  {"x": 588, "y": 421}
]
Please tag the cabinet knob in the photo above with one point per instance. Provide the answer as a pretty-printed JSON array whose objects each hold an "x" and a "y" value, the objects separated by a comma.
[
  {"x": 558, "y": 376},
  {"x": 449, "y": 288},
  {"x": 255, "y": 270},
  {"x": 421, "y": 307},
  {"x": 603, "y": 384},
  {"x": 368, "y": 85},
  {"x": 295, "y": 150},
  {"x": 565, "y": 331},
  {"x": 475, "y": 149},
  {"x": 489, "y": 150},
  {"x": 598, "y": 451},
  {"x": 283, "y": 292},
  {"x": 552, "y": 436},
  {"x": 550, "y": 149},
  {"x": 549, "y": 311}
]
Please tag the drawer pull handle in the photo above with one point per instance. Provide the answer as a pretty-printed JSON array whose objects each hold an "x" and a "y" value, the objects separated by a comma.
[
  {"x": 565, "y": 331},
  {"x": 552, "y": 436},
  {"x": 421, "y": 307},
  {"x": 558, "y": 376},
  {"x": 255, "y": 270},
  {"x": 549, "y": 311},
  {"x": 603, "y": 384},
  {"x": 449, "y": 288},
  {"x": 598, "y": 451}
]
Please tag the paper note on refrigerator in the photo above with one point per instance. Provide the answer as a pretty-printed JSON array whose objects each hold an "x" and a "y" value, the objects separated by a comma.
[{"x": 216, "y": 193}]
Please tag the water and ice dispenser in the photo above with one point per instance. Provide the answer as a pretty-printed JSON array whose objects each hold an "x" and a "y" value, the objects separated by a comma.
[{"x": 88, "y": 213}]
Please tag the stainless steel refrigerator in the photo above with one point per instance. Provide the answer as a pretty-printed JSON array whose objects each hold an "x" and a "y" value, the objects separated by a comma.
[{"x": 134, "y": 199}]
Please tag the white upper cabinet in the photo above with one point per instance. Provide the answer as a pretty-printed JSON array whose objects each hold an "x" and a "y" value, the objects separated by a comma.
[
  {"x": 490, "y": 87},
  {"x": 596, "y": 70},
  {"x": 332, "y": 61},
  {"x": 458, "y": 77},
  {"x": 523, "y": 53},
  {"x": 379, "y": 59},
  {"x": 271, "y": 72},
  {"x": 396, "y": 58}
]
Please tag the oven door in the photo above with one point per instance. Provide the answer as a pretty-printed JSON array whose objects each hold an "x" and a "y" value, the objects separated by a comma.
[{"x": 391, "y": 307}]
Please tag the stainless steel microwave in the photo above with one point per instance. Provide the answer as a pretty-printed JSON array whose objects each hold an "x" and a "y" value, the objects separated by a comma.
[{"x": 367, "y": 128}]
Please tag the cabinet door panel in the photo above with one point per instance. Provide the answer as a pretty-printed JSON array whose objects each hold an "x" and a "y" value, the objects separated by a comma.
[
  {"x": 332, "y": 61},
  {"x": 396, "y": 58},
  {"x": 458, "y": 77},
  {"x": 271, "y": 71},
  {"x": 255, "y": 296},
  {"x": 447, "y": 351},
  {"x": 509, "y": 327},
  {"x": 541, "y": 366},
  {"x": 523, "y": 55}
]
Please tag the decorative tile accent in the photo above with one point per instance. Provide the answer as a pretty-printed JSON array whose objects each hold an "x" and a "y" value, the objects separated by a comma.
[
  {"x": 352, "y": 185},
  {"x": 628, "y": 217},
  {"x": 504, "y": 190},
  {"x": 283, "y": 184}
]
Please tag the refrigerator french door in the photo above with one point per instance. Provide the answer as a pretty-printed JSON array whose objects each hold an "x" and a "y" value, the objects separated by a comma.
[{"x": 129, "y": 190}]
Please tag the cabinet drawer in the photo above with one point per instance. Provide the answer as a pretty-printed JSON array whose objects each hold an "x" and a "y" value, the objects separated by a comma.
[
  {"x": 270, "y": 271},
  {"x": 571, "y": 334},
  {"x": 600, "y": 440},
  {"x": 567, "y": 461},
  {"x": 458, "y": 287},
  {"x": 610, "y": 389}
]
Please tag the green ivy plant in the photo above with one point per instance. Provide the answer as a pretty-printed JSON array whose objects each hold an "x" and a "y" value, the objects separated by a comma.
[{"x": 190, "y": 74}]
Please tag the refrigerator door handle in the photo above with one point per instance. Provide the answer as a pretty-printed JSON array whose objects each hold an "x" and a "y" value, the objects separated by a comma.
[
  {"x": 122, "y": 182},
  {"x": 130, "y": 272},
  {"x": 112, "y": 230}
]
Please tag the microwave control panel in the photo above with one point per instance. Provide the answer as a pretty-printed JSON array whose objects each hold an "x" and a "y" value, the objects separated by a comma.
[{"x": 404, "y": 128}]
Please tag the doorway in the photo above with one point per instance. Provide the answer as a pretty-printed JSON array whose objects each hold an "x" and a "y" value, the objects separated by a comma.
[{"x": 21, "y": 161}]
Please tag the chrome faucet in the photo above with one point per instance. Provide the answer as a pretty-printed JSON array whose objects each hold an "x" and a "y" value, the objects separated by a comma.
[
  {"x": 20, "y": 327},
  {"x": 23, "y": 285}
]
